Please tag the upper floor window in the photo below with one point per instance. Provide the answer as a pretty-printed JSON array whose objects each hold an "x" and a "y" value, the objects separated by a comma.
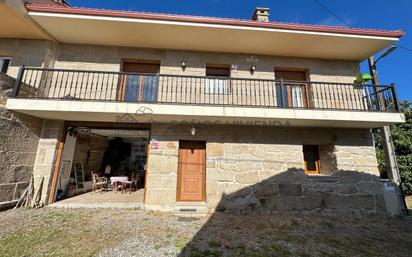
[
  {"x": 141, "y": 81},
  {"x": 293, "y": 92},
  {"x": 217, "y": 80},
  {"x": 4, "y": 64},
  {"x": 311, "y": 159}
]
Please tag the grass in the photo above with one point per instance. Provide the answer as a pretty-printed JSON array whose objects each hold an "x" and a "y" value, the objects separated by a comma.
[
  {"x": 51, "y": 232},
  {"x": 56, "y": 233}
]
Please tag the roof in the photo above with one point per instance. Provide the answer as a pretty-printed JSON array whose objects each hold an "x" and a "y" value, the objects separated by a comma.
[
  {"x": 74, "y": 25},
  {"x": 49, "y": 2},
  {"x": 212, "y": 20}
]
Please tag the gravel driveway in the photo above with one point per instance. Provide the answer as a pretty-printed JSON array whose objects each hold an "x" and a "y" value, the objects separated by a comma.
[{"x": 122, "y": 232}]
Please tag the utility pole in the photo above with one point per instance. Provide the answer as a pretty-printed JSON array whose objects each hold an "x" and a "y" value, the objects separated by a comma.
[
  {"x": 391, "y": 165},
  {"x": 390, "y": 158}
]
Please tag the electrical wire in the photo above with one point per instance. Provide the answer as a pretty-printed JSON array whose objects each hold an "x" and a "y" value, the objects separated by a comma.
[
  {"x": 347, "y": 24},
  {"x": 404, "y": 48},
  {"x": 331, "y": 12}
]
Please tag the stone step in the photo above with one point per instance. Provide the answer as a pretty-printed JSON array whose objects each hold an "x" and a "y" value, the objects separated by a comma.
[{"x": 189, "y": 209}]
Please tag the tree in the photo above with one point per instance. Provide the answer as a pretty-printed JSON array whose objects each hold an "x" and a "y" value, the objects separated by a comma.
[{"x": 402, "y": 140}]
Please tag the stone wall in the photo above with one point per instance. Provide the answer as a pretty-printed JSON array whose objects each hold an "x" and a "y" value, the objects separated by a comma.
[
  {"x": 19, "y": 135},
  {"x": 42, "y": 53},
  {"x": 32, "y": 53},
  {"x": 46, "y": 157},
  {"x": 104, "y": 58},
  {"x": 262, "y": 167}
]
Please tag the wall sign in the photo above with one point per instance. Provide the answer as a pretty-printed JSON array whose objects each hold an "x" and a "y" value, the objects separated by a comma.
[
  {"x": 234, "y": 68},
  {"x": 154, "y": 144}
]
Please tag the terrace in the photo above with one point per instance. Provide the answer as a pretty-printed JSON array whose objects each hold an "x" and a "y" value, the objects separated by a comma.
[{"x": 62, "y": 90}]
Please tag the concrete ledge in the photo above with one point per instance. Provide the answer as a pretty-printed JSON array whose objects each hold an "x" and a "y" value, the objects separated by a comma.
[{"x": 98, "y": 111}]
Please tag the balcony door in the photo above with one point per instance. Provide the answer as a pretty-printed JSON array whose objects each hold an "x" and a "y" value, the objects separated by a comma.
[
  {"x": 217, "y": 80},
  {"x": 140, "y": 83},
  {"x": 292, "y": 92}
]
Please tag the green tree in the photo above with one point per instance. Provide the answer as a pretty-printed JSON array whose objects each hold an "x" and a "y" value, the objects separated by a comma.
[{"x": 402, "y": 140}]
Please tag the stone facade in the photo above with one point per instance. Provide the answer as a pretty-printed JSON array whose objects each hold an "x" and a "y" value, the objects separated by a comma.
[
  {"x": 47, "y": 151},
  {"x": 40, "y": 53},
  {"x": 248, "y": 167},
  {"x": 19, "y": 136},
  {"x": 262, "y": 167},
  {"x": 32, "y": 53},
  {"x": 104, "y": 58}
]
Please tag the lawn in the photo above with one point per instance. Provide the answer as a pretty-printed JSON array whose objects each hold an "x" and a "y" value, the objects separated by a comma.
[{"x": 111, "y": 232}]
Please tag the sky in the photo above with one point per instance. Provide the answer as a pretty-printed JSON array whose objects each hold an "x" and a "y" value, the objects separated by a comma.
[{"x": 378, "y": 14}]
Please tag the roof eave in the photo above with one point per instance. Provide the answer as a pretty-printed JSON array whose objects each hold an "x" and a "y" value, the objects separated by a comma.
[{"x": 215, "y": 21}]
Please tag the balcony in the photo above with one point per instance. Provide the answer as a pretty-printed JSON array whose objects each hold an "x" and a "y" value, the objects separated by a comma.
[{"x": 217, "y": 96}]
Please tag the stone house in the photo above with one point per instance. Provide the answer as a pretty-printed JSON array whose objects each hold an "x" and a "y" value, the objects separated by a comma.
[{"x": 213, "y": 113}]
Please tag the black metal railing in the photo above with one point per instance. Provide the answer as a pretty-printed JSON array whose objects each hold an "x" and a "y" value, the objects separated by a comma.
[{"x": 160, "y": 88}]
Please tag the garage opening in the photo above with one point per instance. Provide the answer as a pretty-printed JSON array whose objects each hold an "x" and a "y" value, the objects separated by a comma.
[{"x": 102, "y": 167}]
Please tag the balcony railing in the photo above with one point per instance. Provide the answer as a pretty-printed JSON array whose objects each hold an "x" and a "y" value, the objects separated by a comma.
[{"x": 78, "y": 85}]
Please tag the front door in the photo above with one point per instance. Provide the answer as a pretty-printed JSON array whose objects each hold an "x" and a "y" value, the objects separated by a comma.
[{"x": 192, "y": 168}]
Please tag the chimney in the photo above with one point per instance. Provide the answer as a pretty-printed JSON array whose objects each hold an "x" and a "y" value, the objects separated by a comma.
[{"x": 261, "y": 14}]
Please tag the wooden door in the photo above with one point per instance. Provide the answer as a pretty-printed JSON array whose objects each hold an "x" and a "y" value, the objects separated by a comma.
[
  {"x": 294, "y": 93},
  {"x": 192, "y": 171},
  {"x": 311, "y": 159},
  {"x": 141, "y": 86}
]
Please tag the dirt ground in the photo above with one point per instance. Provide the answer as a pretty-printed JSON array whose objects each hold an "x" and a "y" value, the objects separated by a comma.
[{"x": 123, "y": 232}]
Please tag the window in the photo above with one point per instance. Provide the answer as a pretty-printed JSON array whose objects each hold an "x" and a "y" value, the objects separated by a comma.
[
  {"x": 217, "y": 80},
  {"x": 4, "y": 64},
  {"x": 293, "y": 92},
  {"x": 143, "y": 85},
  {"x": 311, "y": 159}
]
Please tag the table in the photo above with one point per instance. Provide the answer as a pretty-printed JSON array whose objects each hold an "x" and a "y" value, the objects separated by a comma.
[{"x": 117, "y": 181}]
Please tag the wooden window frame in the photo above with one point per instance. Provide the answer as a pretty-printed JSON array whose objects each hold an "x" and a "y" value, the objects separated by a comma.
[
  {"x": 220, "y": 66},
  {"x": 306, "y": 88},
  {"x": 122, "y": 87},
  {"x": 314, "y": 148}
]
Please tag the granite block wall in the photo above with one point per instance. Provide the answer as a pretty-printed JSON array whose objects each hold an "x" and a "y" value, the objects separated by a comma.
[
  {"x": 262, "y": 168},
  {"x": 19, "y": 136}
]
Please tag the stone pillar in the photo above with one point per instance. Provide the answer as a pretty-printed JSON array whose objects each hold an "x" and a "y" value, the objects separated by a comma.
[
  {"x": 162, "y": 172},
  {"x": 46, "y": 157}
]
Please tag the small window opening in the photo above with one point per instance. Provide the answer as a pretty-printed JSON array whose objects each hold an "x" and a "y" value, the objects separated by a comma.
[
  {"x": 4, "y": 64},
  {"x": 311, "y": 159}
]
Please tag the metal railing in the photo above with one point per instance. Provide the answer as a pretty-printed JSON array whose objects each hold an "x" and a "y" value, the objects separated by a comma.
[{"x": 78, "y": 85}]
